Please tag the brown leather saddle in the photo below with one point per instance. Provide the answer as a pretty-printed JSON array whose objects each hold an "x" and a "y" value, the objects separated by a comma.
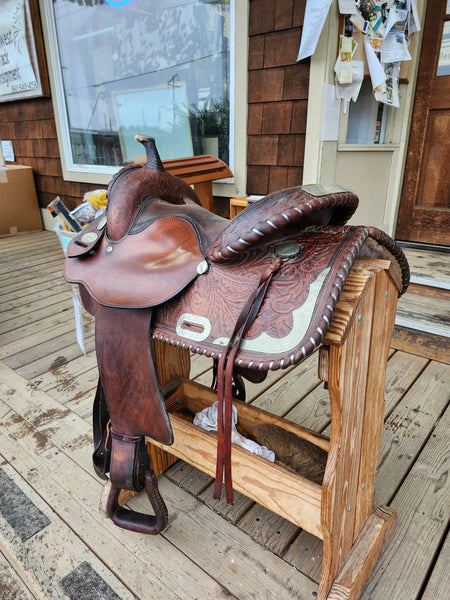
[{"x": 256, "y": 293}]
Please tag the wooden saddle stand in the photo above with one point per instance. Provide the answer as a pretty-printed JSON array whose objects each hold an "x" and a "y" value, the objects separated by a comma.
[{"x": 164, "y": 277}]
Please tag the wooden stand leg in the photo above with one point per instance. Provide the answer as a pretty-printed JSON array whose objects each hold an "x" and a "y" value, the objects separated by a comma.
[
  {"x": 203, "y": 190},
  {"x": 356, "y": 377},
  {"x": 362, "y": 558}
]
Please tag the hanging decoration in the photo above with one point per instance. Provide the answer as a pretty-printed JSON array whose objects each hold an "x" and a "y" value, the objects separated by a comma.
[{"x": 385, "y": 25}]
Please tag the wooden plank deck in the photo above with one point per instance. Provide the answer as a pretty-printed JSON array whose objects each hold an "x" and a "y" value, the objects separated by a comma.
[{"x": 56, "y": 543}]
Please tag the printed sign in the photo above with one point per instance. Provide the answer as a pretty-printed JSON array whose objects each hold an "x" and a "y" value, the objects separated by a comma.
[{"x": 16, "y": 70}]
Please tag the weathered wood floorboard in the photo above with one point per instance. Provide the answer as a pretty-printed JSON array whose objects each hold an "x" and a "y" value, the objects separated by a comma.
[
  {"x": 49, "y": 282},
  {"x": 62, "y": 351},
  {"x": 424, "y": 513},
  {"x": 408, "y": 428},
  {"x": 403, "y": 438},
  {"x": 11, "y": 585},
  {"x": 439, "y": 582},
  {"x": 28, "y": 264},
  {"x": 219, "y": 546},
  {"x": 12, "y": 311},
  {"x": 40, "y": 339},
  {"x": 211, "y": 549},
  {"x": 47, "y": 560},
  {"x": 34, "y": 316}
]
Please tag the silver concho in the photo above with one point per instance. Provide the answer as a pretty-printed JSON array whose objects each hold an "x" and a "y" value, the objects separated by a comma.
[
  {"x": 89, "y": 237},
  {"x": 101, "y": 223},
  {"x": 288, "y": 250},
  {"x": 202, "y": 267},
  {"x": 320, "y": 189}
]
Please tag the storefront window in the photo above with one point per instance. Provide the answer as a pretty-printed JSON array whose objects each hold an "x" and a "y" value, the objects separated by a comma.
[{"x": 160, "y": 68}]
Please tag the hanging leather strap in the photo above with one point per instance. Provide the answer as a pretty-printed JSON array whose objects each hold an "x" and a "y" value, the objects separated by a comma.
[
  {"x": 225, "y": 378},
  {"x": 100, "y": 422}
]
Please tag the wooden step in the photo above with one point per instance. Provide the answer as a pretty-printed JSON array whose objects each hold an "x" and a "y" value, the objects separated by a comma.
[
  {"x": 422, "y": 324},
  {"x": 429, "y": 268},
  {"x": 426, "y": 304},
  {"x": 424, "y": 313}
]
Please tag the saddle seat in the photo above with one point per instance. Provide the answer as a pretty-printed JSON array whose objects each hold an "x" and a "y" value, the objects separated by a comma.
[{"x": 256, "y": 293}]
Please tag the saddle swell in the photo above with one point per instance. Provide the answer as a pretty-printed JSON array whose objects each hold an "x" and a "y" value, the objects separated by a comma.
[
  {"x": 132, "y": 185},
  {"x": 256, "y": 293}
]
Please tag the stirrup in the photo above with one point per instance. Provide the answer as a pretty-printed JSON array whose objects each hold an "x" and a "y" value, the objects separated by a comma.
[{"x": 136, "y": 521}]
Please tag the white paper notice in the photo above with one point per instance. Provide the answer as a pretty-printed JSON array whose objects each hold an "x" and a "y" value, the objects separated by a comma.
[
  {"x": 395, "y": 47},
  {"x": 358, "y": 77},
  {"x": 347, "y": 7},
  {"x": 78, "y": 311},
  {"x": 315, "y": 15},
  {"x": 331, "y": 109},
  {"x": 8, "y": 150},
  {"x": 345, "y": 60},
  {"x": 377, "y": 74},
  {"x": 413, "y": 17},
  {"x": 350, "y": 91},
  {"x": 390, "y": 93}
]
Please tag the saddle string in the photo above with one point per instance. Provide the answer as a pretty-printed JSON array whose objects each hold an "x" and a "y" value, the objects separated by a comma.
[
  {"x": 225, "y": 377},
  {"x": 108, "y": 435}
]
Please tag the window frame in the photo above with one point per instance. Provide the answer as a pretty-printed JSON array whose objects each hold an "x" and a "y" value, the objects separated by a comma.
[{"x": 101, "y": 174}]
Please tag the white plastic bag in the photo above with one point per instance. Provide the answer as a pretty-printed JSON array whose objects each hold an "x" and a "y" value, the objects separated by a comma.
[{"x": 207, "y": 419}]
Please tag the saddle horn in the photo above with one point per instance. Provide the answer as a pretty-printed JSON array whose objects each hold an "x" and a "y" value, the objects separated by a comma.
[
  {"x": 153, "y": 158},
  {"x": 133, "y": 184}
]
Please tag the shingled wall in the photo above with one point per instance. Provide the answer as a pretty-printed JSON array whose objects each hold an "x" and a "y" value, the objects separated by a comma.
[
  {"x": 277, "y": 96},
  {"x": 30, "y": 124}
]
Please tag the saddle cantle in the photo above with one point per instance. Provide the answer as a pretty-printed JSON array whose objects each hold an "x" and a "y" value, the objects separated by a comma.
[{"x": 255, "y": 294}]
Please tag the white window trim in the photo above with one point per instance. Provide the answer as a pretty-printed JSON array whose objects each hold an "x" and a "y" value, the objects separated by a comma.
[{"x": 97, "y": 174}]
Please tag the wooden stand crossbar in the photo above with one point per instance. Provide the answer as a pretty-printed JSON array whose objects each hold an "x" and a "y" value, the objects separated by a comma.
[
  {"x": 198, "y": 171},
  {"x": 353, "y": 362}
]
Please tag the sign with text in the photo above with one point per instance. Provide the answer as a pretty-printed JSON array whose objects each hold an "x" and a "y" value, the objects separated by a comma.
[{"x": 19, "y": 75}]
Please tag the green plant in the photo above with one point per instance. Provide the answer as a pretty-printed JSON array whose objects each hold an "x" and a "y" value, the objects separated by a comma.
[{"x": 211, "y": 120}]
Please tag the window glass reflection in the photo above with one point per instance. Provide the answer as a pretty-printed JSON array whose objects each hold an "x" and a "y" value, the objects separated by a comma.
[{"x": 160, "y": 68}]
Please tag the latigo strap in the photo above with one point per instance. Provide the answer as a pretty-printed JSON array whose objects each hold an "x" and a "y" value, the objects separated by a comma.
[{"x": 225, "y": 379}]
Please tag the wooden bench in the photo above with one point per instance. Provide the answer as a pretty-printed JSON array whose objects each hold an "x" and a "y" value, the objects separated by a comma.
[{"x": 198, "y": 171}]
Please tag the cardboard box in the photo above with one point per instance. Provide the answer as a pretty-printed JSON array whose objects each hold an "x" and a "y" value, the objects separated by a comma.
[{"x": 19, "y": 208}]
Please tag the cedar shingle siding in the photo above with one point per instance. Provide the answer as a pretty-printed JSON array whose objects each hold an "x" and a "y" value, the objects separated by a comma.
[
  {"x": 277, "y": 96},
  {"x": 30, "y": 124}
]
